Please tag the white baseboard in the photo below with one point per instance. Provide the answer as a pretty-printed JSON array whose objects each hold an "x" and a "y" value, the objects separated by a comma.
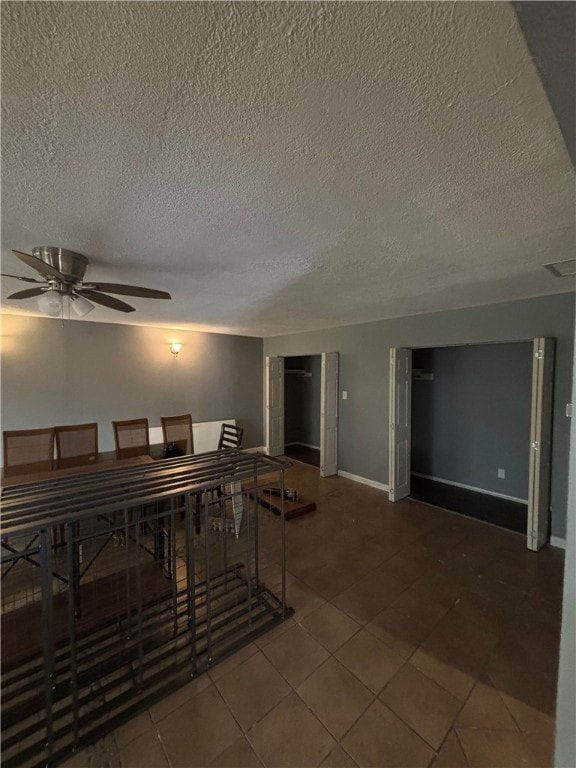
[
  {"x": 258, "y": 449},
  {"x": 556, "y": 541},
  {"x": 471, "y": 488},
  {"x": 304, "y": 445},
  {"x": 364, "y": 480}
]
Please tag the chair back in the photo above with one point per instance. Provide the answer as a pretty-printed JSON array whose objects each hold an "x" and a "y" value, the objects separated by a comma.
[
  {"x": 28, "y": 451},
  {"x": 178, "y": 430},
  {"x": 131, "y": 438},
  {"x": 76, "y": 445},
  {"x": 230, "y": 436}
]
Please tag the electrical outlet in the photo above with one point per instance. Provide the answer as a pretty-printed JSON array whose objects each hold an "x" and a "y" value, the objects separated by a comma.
[
  {"x": 501, "y": 474},
  {"x": 344, "y": 395}
]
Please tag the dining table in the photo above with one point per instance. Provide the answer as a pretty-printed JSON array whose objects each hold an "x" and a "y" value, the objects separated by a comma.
[{"x": 102, "y": 465}]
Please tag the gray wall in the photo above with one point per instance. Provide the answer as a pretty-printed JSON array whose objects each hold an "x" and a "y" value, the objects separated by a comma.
[
  {"x": 54, "y": 373},
  {"x": 302, "y": 401},
  {"x": 364, "y": 368},
  {"x": 473, "y": 417}
]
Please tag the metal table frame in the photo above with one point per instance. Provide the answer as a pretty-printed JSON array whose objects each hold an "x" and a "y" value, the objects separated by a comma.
[{"x": 199, "y": 613}]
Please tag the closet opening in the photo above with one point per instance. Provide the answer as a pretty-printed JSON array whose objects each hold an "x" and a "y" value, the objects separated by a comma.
[
  {"x": 476, "y": 419},
  {"x": 471, "y": 430},
  {"x": 312, "y": 410},
  {"x": 302, "y": 408}
]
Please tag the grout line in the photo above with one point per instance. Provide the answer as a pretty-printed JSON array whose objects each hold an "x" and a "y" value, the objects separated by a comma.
[
  {"x": 164, "y": 750},
  {"x": 507, "y": 708},
  {"x": 410, "y": 727},
  {"x": 374, "y": 698},
  {"x": 462, "y": 747}
]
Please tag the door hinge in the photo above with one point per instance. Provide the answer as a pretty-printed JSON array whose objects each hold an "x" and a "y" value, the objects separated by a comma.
[
  {"x": 535, "y": 445},
  {"x": 539, "y": 355}
]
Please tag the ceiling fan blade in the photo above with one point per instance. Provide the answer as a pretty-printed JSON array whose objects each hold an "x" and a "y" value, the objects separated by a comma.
[
  {"x": 40, "y": 266},
  {"x": 19, "y": 277},
  {"x": 106, "y": 301},
  {"x": 27, "y": 294},
  {"x": 130, "y": 290}
]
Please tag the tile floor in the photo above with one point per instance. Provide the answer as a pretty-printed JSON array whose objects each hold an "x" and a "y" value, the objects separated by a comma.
[{"x": 420, "y": 638}]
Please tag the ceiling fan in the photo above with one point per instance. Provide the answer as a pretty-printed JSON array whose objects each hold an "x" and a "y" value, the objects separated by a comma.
[{"x": 63, "y": 275}]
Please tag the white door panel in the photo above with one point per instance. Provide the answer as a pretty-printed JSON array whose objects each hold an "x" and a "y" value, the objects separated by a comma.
[
  {"x": 540, "y": 444},
  {"x": 329, "y": 415},
  {"x": 274, "y": 406},
  {"x": 400, "y": 423}
]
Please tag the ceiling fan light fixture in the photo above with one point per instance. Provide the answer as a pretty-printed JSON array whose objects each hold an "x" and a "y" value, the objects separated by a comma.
[
  {"x": 80, "y": 305},
  {"x": 50, "y": 303}
]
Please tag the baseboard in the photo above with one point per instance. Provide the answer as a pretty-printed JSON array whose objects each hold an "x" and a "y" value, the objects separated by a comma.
[
  {"x": 364, "y": 480},
  {"x": 471, "y": 488},
  {"x": 304, "y": 445},
  {"x": 258, "y": 449},
  {"x": 556, "y": 541}
]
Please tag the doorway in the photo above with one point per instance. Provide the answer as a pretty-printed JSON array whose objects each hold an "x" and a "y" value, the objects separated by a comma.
[
  {"x": 470, "y": 432},
  {"x": 302, "y": 408},
  {"x": 484, "y": 440},
  {"x": 326, "y": 416}
]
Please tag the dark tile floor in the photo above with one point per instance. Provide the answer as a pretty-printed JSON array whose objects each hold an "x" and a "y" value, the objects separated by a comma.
[{"x": 420, "y": 638}]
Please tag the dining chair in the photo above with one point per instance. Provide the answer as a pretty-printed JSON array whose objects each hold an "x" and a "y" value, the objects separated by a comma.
[
  {"x": 178, "y": 430},
  {"x": 28, "y": 450},
  {"x": 131, "y": 438},
  {"x": 230, "y": 436},
  {"x": 76, "y": 445}
]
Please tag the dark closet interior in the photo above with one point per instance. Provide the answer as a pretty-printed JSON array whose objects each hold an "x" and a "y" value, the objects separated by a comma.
[
  {"x": 302, "y": 408},
  {"x": 471, "y": 430}
]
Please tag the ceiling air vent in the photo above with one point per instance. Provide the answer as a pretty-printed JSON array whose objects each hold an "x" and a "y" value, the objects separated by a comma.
[{"x": 565, "y": 268}]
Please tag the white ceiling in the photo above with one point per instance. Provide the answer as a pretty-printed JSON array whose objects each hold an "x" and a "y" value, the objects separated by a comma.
[{"x": 283, "y": 166}]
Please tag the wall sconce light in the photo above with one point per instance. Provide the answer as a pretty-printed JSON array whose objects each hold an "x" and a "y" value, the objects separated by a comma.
[{"x": 175, "y": 348}]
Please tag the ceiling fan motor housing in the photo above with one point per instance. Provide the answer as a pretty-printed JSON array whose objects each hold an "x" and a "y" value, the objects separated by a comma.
[{"x": 69, "y": 263}]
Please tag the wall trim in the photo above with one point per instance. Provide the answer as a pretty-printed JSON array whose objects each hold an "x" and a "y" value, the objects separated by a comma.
[
  {"x": 364, "y": 480},
  {"x": 257, "y": 449},
  {"x": 304, "y": 445},
  {"x": 471, "y": 488},
  {"x": 556, "y": 541}
]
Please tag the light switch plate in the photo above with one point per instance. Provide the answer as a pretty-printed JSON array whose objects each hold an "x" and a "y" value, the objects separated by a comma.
[{"x": 344, "y": 395}]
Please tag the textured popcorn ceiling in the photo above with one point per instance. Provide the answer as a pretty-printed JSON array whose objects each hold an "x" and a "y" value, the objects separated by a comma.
[{"x": 283, "y": 166}]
